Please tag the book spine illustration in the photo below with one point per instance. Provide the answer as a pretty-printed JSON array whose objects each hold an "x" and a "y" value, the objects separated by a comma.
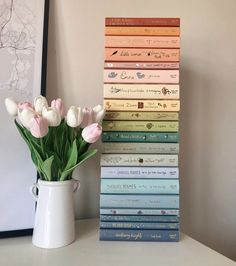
[
  {"x": 140, "y": 186},
  {"x": 139, "y": 235},
  {"x": 139, "y": 225},
  {"x": 141, "y": 76},
  {"x": 174, "y": 22},
  {"x": 144, "y": 65},
  {"x": 143, "y": 91},
  {"x": 144, "y": 137},
  {"x": 144, "y": 105},
  {"x": 139, "y": 201},
  {"x": 123, "y": 211},
  {"x": 142, "y": 41},
  {"x": 128, "y": 147},
  {"x": 142, "y": 31},
  {"x": 140, "y": 172},
  {"x": 147, "y": 126},
  {"x": 142, "y": 54},
  {"x": 140, "y": 218},
  {"x": 151, "y": 116},
  {"x": 157, "y": 160}
]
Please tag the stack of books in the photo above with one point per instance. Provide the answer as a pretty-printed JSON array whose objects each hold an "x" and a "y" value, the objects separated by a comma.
[{"x": 139, "y": 198}]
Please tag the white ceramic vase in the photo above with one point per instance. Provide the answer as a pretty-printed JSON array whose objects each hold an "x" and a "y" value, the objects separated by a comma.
[{"x": 54, "y": 220}]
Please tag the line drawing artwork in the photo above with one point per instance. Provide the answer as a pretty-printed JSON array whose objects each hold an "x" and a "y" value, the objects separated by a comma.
[{"x": 17, "y": 46}]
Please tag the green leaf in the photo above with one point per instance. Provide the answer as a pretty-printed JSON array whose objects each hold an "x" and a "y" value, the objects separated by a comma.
[
  {"x": 47, "y": 166},
  {"x": 81, "y": 159},
  {"x": 72, "y": 157}
]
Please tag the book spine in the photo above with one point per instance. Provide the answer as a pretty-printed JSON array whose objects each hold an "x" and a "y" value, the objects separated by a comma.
[
  {"x": 144, "y": 137},
  {"x": 142, "y": 41},
  {"x": 140, "y": 218},
  {"x": 142, "y": 31},
  {"x": 141, "y": 76},
  {"x": 140, "y": 172},
  {"x": 174, "y": 22},
  {"x": 134, "y": 116},
  {"x": 143, "y": 91},
  {"x": 139, "y": 235},
  {"x": 139, "y": 201},
  {"x": 139, "y": 225},
  {"x": 144, "y": 105},
  {"x": 157, "y": 160},
  {"x": 128, "y": 147},
  {"x": 146, "y": 126},
  {"x": 122, "y": 211},
  {"x": 142, "y": 54},
  {"x": 140, "y": 186},
  {"x": 144, "y": 65}
]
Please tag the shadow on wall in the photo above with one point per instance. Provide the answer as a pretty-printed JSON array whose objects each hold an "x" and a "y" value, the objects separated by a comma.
[{"x": 203, "y": 166}]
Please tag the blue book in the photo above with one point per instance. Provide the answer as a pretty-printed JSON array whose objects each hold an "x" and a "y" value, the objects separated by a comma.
[
  {"x": 139, "y": 172},
  {"x": 139, "y": 201},
  {"x": 140, "y": 186},
  {"x": 141, "y": 211},
  {"x": 139, "y": 225},
  {"x": 140, "y": 218},
  {"x": 139, "y": 235}
]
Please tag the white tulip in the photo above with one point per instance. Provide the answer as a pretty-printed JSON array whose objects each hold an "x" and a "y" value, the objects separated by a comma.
[
  {"x": 11, "y": 106},
  {"x": 74, "y": 116},
  {"x": 25, "y": 115},
  {"x": 40, "y": 103},
  {"x": 98, "y": 113},
  {"x": 52, "y": 115}
]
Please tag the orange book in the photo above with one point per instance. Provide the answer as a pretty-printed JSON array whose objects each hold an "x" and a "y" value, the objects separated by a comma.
[
  {"x": 143, "y": 31},
  {"x": 141, "y": 54}
]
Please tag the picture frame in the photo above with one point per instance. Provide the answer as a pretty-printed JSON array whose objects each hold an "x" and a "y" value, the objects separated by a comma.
[{"x": 23, "y": 60}]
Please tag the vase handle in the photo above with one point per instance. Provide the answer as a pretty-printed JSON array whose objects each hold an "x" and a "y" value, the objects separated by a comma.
[
  {"x": 33, "y": 190},
  {"x": 76, "y": 185}
]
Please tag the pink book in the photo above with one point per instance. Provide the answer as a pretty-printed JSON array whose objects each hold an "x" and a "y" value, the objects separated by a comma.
[
  {"x": 140, "y": 65},
  {"x": 141, "y": 76},
  {"x": 142, "y": 41},
  {"x": 149, "y": 55}
]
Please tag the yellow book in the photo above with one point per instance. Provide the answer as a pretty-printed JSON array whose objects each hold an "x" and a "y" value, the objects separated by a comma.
[
  {"x": 149, "y": 116},
  {"x": 142, "y": 105}
]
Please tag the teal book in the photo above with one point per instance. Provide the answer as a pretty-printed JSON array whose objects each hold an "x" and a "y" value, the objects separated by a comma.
[
  {"x": 122, "y": 136},
  {"x": 140, "y": 186},
  {"x": 139, "y": 225},
  {"x": 140, "y": 218}
]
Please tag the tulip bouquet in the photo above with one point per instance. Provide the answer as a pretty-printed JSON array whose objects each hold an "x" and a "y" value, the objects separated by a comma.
[{"x": 58, "y": 142}]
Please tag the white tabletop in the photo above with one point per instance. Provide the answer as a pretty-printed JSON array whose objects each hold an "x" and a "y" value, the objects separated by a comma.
[{"x": 88, "y": 250}]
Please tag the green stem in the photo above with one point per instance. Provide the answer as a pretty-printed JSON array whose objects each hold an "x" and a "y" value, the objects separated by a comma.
[{"x": 42, "y": 148}]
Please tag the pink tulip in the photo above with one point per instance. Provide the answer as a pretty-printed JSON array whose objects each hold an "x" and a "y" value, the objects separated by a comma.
[
  {"x": 87, "y": 117},
  {"x": 92, "y": 133},
  {"x": 24, "y": 105},
  {"x": 58, "y": 104},
  {"x": 38, "y": 126}
]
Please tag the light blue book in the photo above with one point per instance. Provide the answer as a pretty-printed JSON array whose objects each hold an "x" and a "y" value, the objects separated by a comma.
[
  {"x": 139, "y": 201},
  {"x": 139, "y": 172},
  {"x": 140, "y": 186},
  {"x": 141, "y": 211}
]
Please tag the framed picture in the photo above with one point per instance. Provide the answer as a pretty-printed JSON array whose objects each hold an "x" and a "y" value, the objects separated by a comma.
[{"x": 23, "y": 55}]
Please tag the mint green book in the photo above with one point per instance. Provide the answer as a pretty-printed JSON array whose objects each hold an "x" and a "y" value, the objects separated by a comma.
[{"x": 146, "y": 126}]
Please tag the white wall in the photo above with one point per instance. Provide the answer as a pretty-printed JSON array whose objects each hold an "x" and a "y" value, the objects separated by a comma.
[{"x": 208, "y": 95}]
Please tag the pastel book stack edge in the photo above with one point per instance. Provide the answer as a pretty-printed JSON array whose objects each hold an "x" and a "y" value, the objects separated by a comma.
[{"x": 139, "y": 195}]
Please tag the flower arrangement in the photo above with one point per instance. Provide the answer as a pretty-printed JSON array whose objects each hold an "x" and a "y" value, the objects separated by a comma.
[{"x": 58, "y": 142}]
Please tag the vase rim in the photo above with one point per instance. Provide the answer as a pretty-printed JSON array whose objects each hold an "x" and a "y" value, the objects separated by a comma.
[{"x": 55, "y": 183}]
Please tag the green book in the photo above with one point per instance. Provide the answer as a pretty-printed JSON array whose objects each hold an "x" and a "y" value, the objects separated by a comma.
[
  {"x": 122, "y": 136},
  {"x": 153, "y": 126},
  {"x": 150, "y": 116}
]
